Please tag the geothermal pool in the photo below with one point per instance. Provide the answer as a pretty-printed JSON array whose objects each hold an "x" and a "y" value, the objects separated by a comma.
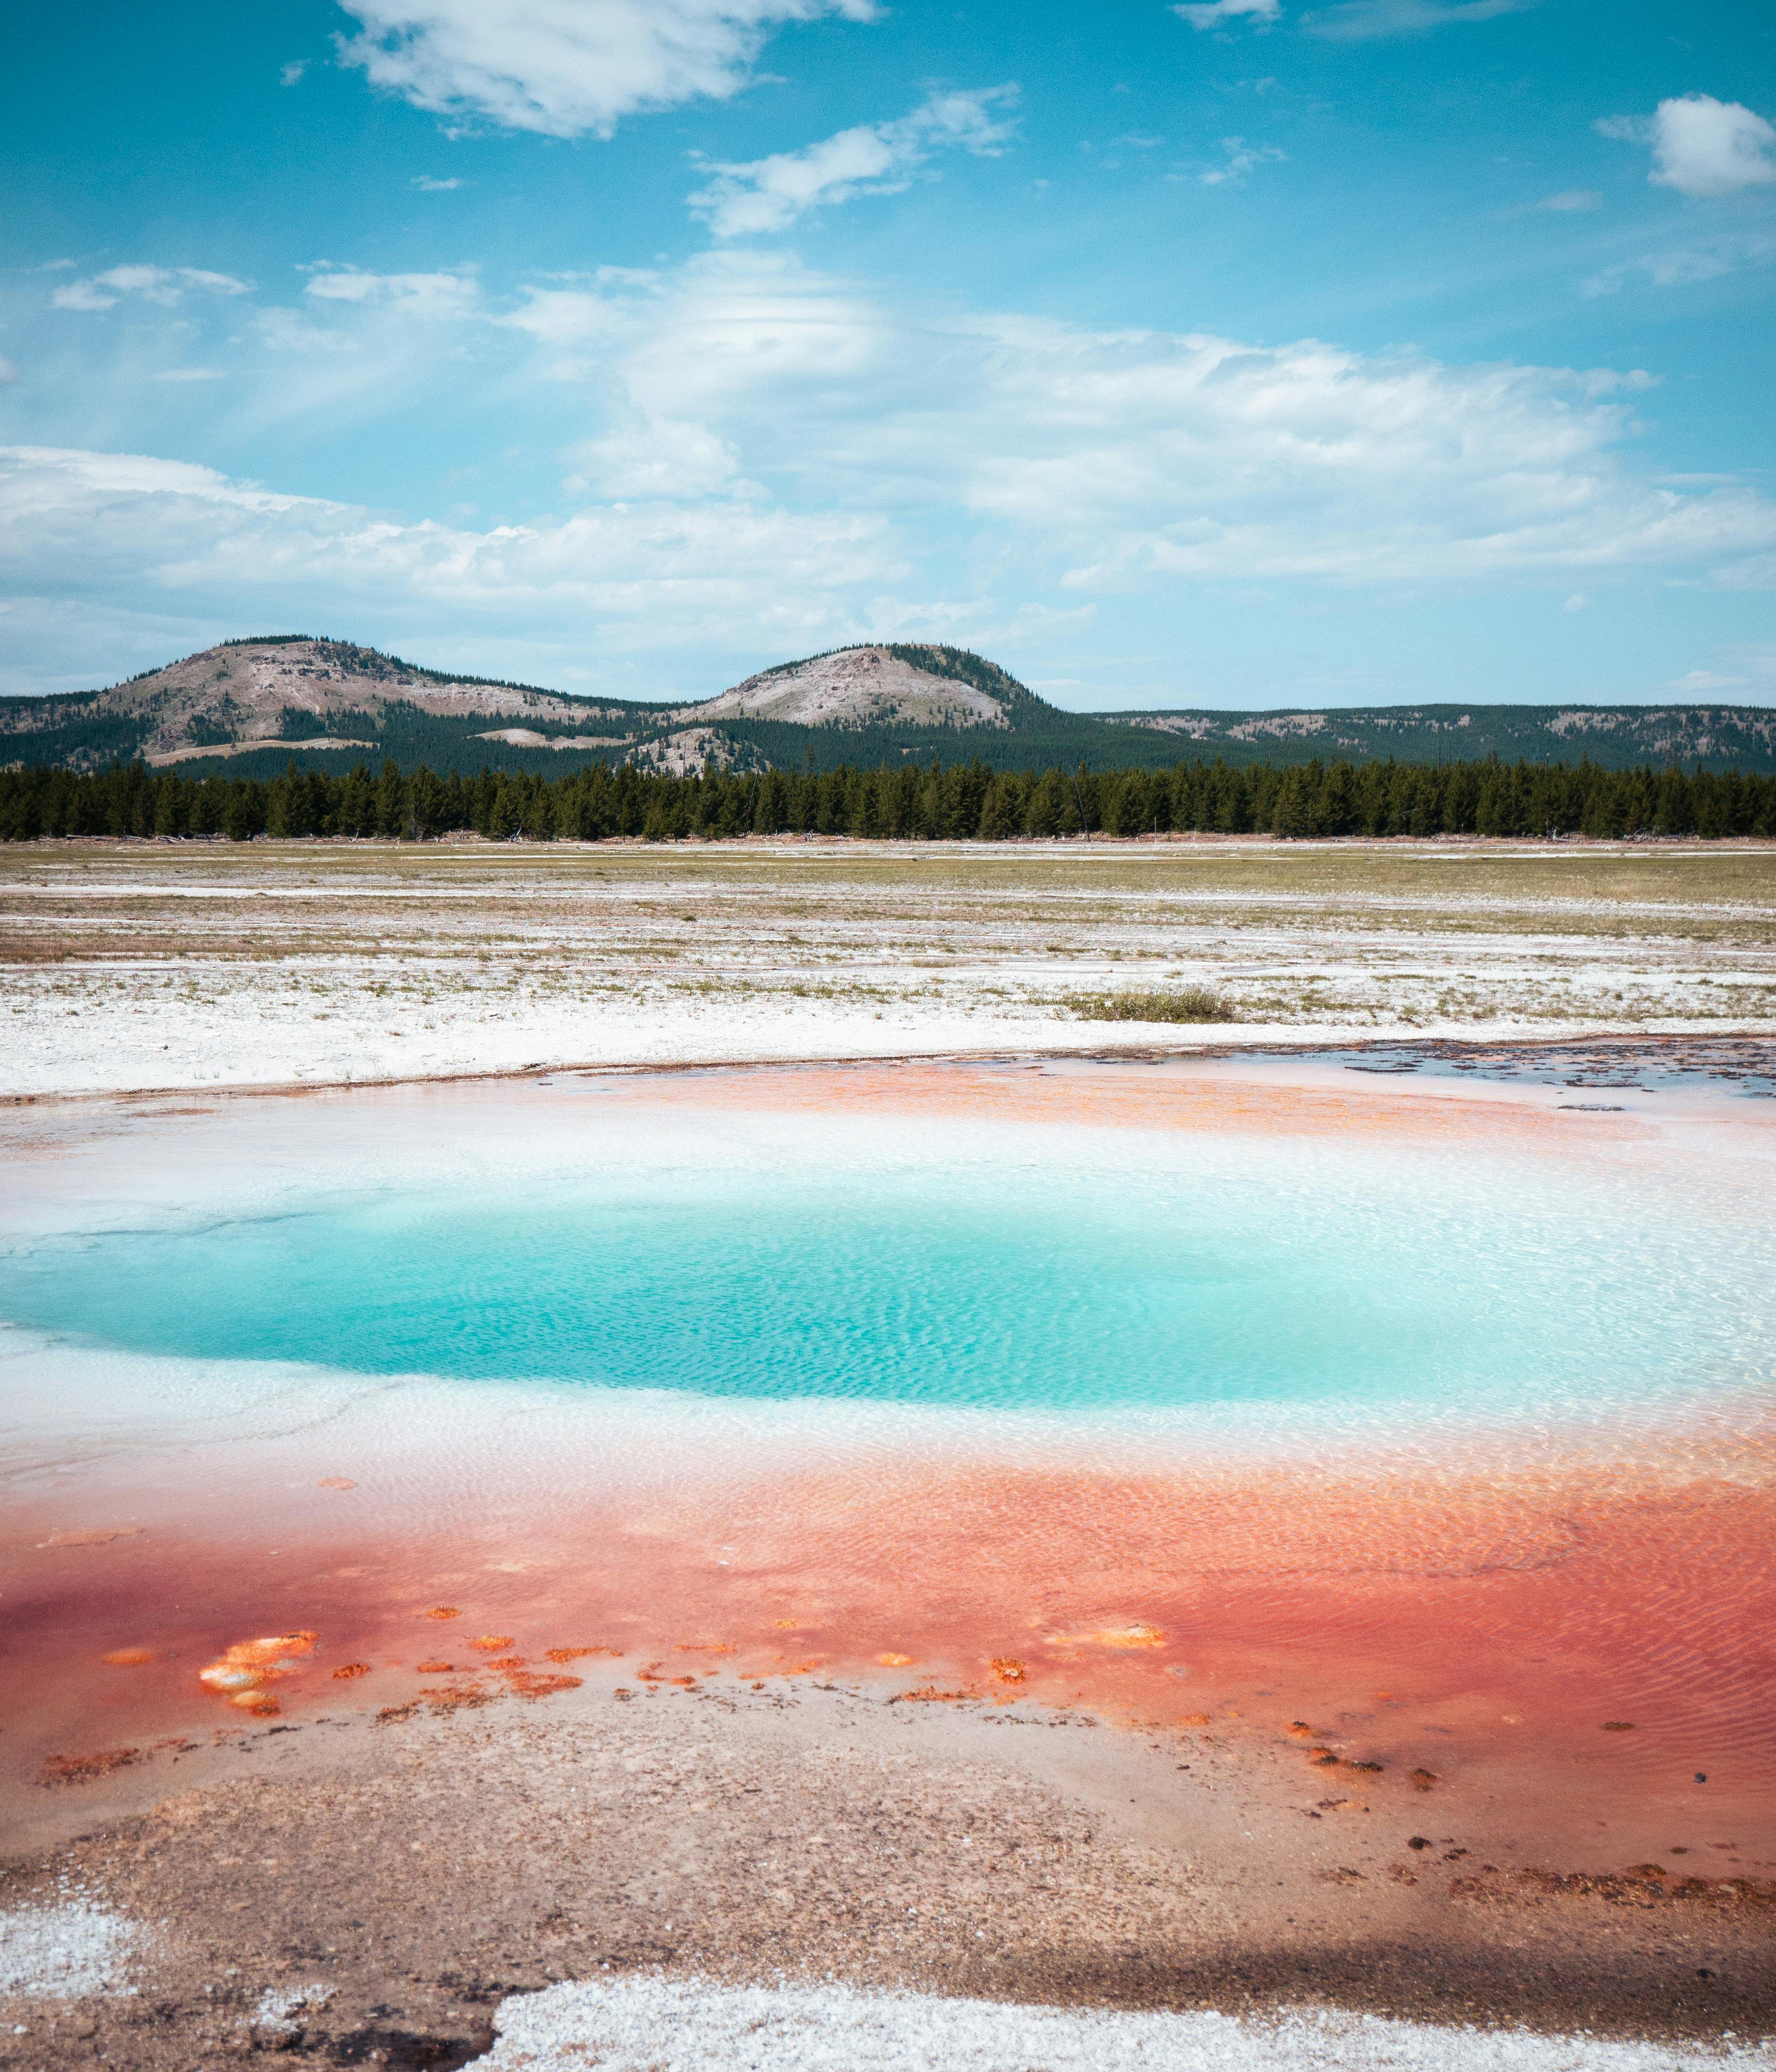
[
  {"x": 1070, "y": 1272},
  {"x": 1209, "y": 1393}
]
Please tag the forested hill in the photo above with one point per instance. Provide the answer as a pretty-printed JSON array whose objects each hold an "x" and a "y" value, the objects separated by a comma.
[
  {"x": 1617, "y": 737},
  {"x": 246, "y": 707}
]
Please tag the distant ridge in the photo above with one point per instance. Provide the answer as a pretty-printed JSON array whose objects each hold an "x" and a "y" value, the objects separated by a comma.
[{"x": 248, "y": 705}]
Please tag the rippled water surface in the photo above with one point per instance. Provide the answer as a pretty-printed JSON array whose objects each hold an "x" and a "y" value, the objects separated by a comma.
[{"x": 1050, "y": 1274}]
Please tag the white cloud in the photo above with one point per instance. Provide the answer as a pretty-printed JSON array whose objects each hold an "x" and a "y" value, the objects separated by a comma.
[
  {"x": 568, "y": 68},
  {"x": 1359, "y": 20},
  {"x": 360, "y": 342},
  {"x": 1757, "y": 573},
  {"x": 439, "y": 295},
  {"x": 750, "y": 444},
  {"x": 117, "y": 522},
  {"x": 1574, "y": 200},
  {"x": 1683, "y": 266},
  {"x": 1577, "y": 602},
  {"x": 879, "y": 157},
  {"x": 166, "y": 285},
  {"x": 574, "y": 326},
  {"x": 1705, "y": 147},
  {"x": 650, "y": 458},
  {"x": 9, "y": 369},
  {"x": 1707, "y": 680},
  {"x": 1241, "y": 158},
  {"x": 290, "y": 74},
  {"x": 294, "y": 331},
  {"x": 192, "y": 374},
  {"x": 424, "y": 184},
  {"x": 1219, "y": 14},
  {"x": 1139, "y": 457},
  {"x": 42, "y": 482}
]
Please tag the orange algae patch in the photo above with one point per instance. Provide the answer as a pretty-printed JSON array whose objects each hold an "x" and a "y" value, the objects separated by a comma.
[
  {"x": 434, "y": 1668},
  {"x": 85, "y": 1769},
  {"x": 705, "y": 1648},
  {"x": 443, "y": 1612},
  {"x": 1143, "y": 1102},
  {"x": 1135, "y": 1634},
  {"x": 528, "y": 1684},
  {"x": 928, "y": 1694},
  {"x": 335, "y": 1481},
  {"x": 129, "y": 1658},
  {"x": 893, "y": 1661},
  {"x": 276, "y": 1655},
  {"x": 492, "y": 1642},
  {"x": 506, "y": 1662},
  {"x": 1007, "y": 1669},
  {"x": 92, "y": 1536},
  {"x": 579, "y": 1653},
  {"x": 446, "y": 1699},
  {"x": 241, "y": 1671},
  {"x": 1126, "y": 1636},
  {"x": 347, "y": 1670}
]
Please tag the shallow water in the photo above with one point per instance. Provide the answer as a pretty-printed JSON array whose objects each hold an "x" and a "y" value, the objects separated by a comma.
[{"x": 1021, "y": 1270}]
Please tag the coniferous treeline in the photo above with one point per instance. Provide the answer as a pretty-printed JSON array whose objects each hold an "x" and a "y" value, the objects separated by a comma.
[{"x": 963, "y": 802}]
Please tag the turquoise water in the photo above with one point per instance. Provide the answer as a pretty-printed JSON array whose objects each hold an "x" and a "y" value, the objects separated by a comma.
[{"x": 1244, "y": 1272}]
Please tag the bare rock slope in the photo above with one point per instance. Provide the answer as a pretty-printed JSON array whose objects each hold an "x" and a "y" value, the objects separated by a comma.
[
  {"x": 857, "y": 687},
  {"x": 244, "y": 696}
]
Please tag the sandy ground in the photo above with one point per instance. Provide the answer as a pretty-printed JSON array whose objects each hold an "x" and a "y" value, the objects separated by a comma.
[
  {"x": 140, "y": 965},
  {"x": 364, "y": 1885}
]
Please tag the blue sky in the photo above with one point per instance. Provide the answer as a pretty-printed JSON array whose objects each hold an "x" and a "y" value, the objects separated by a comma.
[{"x": 1239, "y": 353}]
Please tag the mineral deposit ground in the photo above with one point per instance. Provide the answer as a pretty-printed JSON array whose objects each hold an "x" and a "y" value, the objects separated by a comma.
[
  {"x": 370, "y": 1888},
  {"x": 137, "y": 965}
]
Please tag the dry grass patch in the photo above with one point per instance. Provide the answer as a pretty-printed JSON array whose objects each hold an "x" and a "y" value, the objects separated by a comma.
[{"x": 1187, "y": 1003}]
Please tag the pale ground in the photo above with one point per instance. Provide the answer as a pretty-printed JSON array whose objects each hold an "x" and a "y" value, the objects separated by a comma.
[{"x": 138, "y": 965}]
